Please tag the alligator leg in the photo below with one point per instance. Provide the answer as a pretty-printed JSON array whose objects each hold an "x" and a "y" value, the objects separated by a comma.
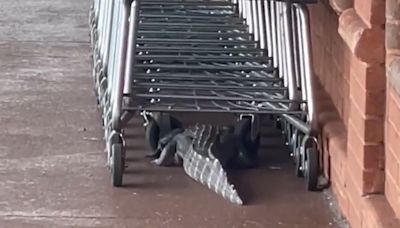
[
  {"x": 163, "y": 142},
  {"x": 167, "y": 156}
]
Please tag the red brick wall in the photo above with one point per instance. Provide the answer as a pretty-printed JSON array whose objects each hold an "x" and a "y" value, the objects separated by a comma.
[{"x": 349, "y": 58}]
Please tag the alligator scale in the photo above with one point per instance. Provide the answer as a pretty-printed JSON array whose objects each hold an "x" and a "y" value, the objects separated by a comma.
[{"x": 205, "y": 152}]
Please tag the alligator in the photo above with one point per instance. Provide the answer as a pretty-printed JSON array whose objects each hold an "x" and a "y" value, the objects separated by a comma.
[{"x": 205, "y": 152}]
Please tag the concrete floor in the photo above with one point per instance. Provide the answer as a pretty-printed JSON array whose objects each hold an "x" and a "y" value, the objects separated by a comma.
[{"x": 52, "y": 165}]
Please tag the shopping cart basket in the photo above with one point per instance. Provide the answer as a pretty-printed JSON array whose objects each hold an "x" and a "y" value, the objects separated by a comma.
[{"x": 248, "y": 58}]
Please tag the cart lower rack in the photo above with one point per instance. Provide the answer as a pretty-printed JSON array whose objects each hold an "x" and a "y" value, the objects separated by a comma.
[{"x": 250, "y": 58}]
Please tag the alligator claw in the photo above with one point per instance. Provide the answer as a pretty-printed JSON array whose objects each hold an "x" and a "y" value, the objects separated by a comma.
[{"x": 155, "y": 162}]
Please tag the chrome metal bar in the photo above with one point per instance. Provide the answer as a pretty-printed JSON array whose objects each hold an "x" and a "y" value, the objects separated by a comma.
[
  {"x": 131, "y": 47},
  {"x": 208, "y": 67},
  {"x": 256, "y": 22},
  {"x": 107, "y": 42},
  {"x": 201, "y": 58},
  {"x": 298, "y": 124},
  {"x": 261, "y": 25},
  {"x": 308, "y": 68},
  {"x": 249, "y": 16},
  {"x": 205, "y": 110},
  {"x": 226, "y": 42},
  {"x": 119, "y": 80},
  {"x": 275, "y": 33},
  {"x": 268, "y": 28},
  {"x": 170, "y": 39},
  {"x": 208, "y": 98},
  {"x": 293, "y": 93},
  {"x": 200, "y": 77},
  {"x": 200, "y": 50},
  {"x": 198, "y": 86}
]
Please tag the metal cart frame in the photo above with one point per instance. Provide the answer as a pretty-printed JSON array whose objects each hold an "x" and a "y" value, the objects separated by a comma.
[{"x": 246, "y": 57}]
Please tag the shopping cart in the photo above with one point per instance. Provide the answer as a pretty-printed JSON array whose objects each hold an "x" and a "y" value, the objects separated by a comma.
[{"x": 247, "y": 58}]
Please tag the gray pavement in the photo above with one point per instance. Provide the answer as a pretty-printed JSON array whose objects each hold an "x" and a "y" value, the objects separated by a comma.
[{"x": 52, "y": 164}]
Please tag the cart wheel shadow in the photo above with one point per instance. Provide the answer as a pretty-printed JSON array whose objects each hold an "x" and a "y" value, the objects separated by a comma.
[{"x": 260, "y": 184}]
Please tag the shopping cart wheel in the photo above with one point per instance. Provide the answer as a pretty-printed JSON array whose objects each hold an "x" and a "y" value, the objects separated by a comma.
[
  {"x": 117, "y": 164},
  {"x": 247, "y": 145},
  {"x": 311, "y": 168},
  {"x": 152, "y": 134}
]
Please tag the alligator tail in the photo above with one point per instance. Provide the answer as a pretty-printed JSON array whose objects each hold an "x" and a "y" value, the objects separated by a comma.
[{"x": 210, "y": 173}]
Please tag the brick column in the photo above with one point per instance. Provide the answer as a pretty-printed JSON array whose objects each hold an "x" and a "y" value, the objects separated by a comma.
[
  {"x": 362, "y": 28},
  {"x": 360, "y": 158}
]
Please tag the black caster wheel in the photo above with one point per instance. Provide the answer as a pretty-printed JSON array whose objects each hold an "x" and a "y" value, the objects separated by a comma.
[
  {"x": 311, "y": 168},
  {"x": 246, "y": 145},
  {"x": 153, "y": 131},
  {"x": 117, "y": 164}
]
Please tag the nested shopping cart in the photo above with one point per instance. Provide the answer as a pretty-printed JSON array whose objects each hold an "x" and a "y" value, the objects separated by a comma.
[{"x": 247, "y": 58}]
